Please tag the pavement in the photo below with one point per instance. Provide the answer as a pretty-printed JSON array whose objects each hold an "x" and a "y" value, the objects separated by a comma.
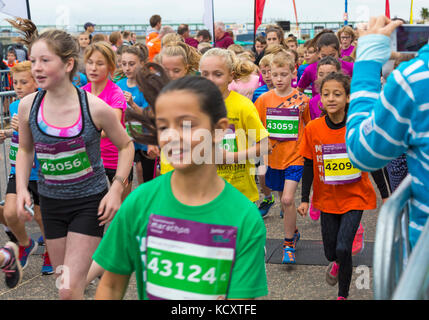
[{"x": 285, "y": 282}]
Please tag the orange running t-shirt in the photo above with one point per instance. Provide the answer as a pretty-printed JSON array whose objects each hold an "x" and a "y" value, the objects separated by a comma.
[
  {"x": 154, "y": 47},
  {"x": 339, "y": 198},
  {"x": 284, "y": 153}
]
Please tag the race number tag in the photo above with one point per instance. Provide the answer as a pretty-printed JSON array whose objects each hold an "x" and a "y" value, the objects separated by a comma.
[
  {"x": 64, "y": 162},
  {"x": 283, "y": 123},
  {"x": 136, "y": 126},
  {"x": 337, "y": 166},
  {"x": 14, "y": 143},
  {"x": 188, "y": 260},
  {"x": 229, "y": 142}
]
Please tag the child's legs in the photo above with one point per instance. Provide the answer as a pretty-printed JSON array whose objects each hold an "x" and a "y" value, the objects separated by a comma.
[
  {"x": 139, "y": 172},
  {"x": 94, "y": 271},
  {"x": 287, "y": 198},
  {"x": 77, "y": 261},
  {"x": 2, "y": 219},
  {"x": 330, "y": 224},
  {"x": 56, "y": 249},
  {"x": 16, "y": 225},
  {"x": 346, "y": 233}
]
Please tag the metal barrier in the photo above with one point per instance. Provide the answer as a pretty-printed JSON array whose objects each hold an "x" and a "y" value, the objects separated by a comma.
[
  {"x": 4, "y": 118},
  {"x": 414, "y": 282},
  {"x": 398, "y": 275},
  {"x": 5, "y": 81}
]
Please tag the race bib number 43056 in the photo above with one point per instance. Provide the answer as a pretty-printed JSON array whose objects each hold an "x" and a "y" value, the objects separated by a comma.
[{"x": 188, "y": 260}]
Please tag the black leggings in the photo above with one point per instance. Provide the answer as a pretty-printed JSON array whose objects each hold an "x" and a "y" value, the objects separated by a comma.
[{"x": 338, "y": 233}]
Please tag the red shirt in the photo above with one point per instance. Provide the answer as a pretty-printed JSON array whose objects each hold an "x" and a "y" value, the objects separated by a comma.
[
  {"x": 191, "y": 42},
  {"x": 224, "y": 42}
]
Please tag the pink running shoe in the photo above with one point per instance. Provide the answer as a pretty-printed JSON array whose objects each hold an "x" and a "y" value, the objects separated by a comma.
[
  {"x": 332, "y": 273},
  {"x": 314, "y": 213},
  {"x": 358, "y": 243},
  {"x": 341, "y": 298}
]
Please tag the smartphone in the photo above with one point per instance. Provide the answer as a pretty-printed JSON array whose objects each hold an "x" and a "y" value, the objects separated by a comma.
[
  {"x": 29, "y": 209},
  {"x": 410, "y": 38}
]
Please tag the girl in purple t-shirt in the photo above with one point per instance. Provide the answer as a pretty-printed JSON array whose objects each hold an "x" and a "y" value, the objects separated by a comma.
[
  {"x": 326, "y": 66},
  {"x": 100, "y": 62},
  {"x": 346, "y": 36},
  {"x": 327, "y": 45}
]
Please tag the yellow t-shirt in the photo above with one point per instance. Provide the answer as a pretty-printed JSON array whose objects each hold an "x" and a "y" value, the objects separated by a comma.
[
  {"x": 165, "y": 165},
  {"x": 243, "y": 116}
]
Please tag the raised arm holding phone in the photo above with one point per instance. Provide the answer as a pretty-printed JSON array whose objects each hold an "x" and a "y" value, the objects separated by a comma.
[{"x": 384, "y": 124}]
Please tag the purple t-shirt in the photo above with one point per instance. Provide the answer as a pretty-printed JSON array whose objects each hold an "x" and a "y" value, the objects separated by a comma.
[
  {"x": 191, "y": 42},
  {"x": 347, "y": 52},
  {"x": 315, "y": 106},
  {"x": 310, "y": 74},
  {"x": 115, "y": 98},
  {"x": 224, "y": 42}
]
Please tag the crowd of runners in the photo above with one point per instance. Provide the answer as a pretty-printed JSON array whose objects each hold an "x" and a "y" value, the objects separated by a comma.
[{"x": 203, "y": 122}]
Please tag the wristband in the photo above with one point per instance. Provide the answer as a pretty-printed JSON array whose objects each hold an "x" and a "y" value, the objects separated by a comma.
[{"x": 122, "y": 181}]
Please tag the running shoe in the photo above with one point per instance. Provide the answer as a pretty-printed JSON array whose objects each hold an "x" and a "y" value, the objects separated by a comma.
[
  {"x": 332, "y": 273},
  {"x": 13, "y": 270},
  {"x": 25, "y": 252},
  {"x": 358, "y": 242},
  {"x": 341, "y": 298},
  {"x": 41, "y": 241},
  {"x": 265, "y": 206},
  {"x": 47, "y": 266},
  {"x": 288, "y": 255}
]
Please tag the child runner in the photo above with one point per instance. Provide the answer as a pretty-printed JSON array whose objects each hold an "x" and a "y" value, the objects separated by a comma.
[
  {"x": 341, "y": 191},
  {"x": 132, "y": 59},
  {"x": 24, "y": 85},
  {"x": 327, "y": 45},
  {"x": 247, "y": 139},
  {"x": 284, "y": 111},
  {"x": 187, "y": 234},
  {"x": 347, "y": 36},
  {"x": 10, "y": 62},
  {"x": 62, "y": 124},
  {"x": 325, "y": 66},
  {"x": 264, "y": 67},
  {"x": 179, "y": 60},
  {"x": 100, "y": 63},
  {"x": 248, "y": 81}
]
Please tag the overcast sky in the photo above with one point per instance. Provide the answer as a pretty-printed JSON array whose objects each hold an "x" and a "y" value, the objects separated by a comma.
[{"x": 54, "y": 12}]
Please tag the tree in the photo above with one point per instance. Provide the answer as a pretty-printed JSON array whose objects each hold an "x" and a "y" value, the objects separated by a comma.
[{"x": 424, "y": 13}]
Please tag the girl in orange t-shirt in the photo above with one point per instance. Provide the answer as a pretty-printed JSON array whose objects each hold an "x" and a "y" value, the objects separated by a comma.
[{"x": 340, "y": 191}]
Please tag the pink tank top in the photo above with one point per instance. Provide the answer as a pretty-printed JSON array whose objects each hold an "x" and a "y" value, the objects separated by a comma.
[{"x": 64, "y": 132}]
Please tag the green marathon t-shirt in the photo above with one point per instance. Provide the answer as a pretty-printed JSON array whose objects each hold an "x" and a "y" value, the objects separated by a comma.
[{"x": 213, "y": 251}]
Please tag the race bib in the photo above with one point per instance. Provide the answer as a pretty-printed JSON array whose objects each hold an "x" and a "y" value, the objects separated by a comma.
[
  {"x": 14, "y": 143},
  {"x": 136, "y": 126},
  {"x": 188, "y": 260},
  {"x": 229, "y": 142},
  {"x": 283, "y": 123},
  {"x": 64, "y": 162},
  {"x": 337, "y": 166}
]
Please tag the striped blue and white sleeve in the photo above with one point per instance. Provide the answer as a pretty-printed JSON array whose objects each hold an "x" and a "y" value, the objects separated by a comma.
[{"x": 378, "y": 123}]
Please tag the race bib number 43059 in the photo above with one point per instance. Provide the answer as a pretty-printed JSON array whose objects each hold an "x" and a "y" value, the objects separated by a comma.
[{"x": 188, "y": 260}]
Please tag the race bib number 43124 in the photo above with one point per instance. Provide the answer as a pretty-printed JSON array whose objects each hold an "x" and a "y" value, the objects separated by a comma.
[{"x": 188, "y": 260}]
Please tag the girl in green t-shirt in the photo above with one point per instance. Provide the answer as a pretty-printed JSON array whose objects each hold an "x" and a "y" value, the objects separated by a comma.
[{"x": 187, "y": 234}]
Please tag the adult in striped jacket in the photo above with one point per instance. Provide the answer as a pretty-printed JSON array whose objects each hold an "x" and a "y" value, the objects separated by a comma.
[{"x": 381, "y": 126}]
